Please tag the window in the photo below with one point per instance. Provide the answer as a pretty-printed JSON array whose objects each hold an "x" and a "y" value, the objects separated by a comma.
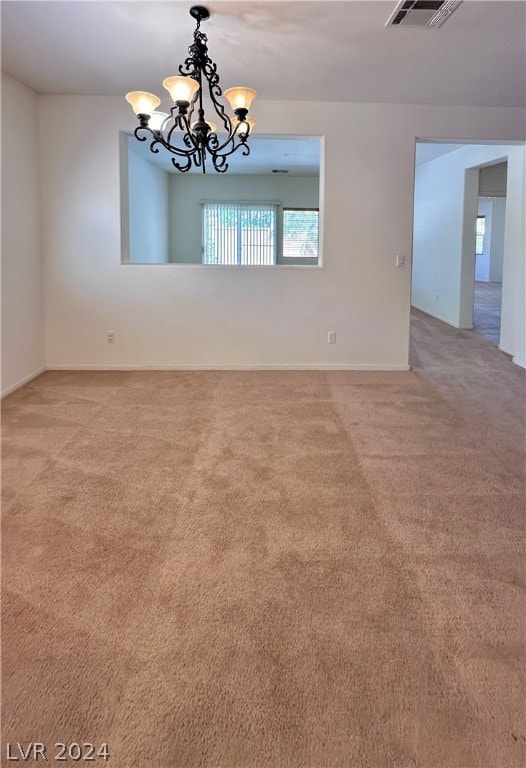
[
  {"x": 239, "y": 233},
  {"x": 300, "y": 233},
  {"x": 481, "y": 230},
  {"x": 223, "y": 219}
]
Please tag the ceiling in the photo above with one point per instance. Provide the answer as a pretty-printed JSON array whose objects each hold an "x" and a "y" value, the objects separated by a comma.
[
  {"x": 303, "y": 51},
  {"x": 426, "y": 151},
  {"x": 299, "y": 155}
]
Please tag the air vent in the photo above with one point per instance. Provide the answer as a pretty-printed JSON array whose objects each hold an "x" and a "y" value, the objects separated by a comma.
[
  {"x": 422, "y": 13},
  {"x": 279, "y": 170}
]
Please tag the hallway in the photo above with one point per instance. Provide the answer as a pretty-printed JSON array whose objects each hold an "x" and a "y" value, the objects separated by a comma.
[
  {"x": 486, "y": 310},
  {"x": 471, "y": 373}
]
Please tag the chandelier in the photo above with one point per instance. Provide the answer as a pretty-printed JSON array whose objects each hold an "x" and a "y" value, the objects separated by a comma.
[{"x": 190, "y": 141}]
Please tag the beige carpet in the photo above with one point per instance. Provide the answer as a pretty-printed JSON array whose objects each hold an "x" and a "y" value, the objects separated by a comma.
[
  {"x": 266, "y": 569},
  {"x": 487, "y": 310}
]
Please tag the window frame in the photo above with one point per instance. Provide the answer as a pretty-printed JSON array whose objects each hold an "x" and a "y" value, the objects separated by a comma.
[
  {"x": 126, "y": 140},
  {"x": 307, "y": 261},
  {"x": 481, "y": 235},
  {"x": 240, "y": 204}
]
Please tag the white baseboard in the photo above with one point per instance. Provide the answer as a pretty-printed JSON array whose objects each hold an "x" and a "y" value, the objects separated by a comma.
[
  {"x": 436, "y": 316},
  {"x": 23, "y": 381},
  {"x": 521, "y": 363},
  {"x": 305, "y": 367}
]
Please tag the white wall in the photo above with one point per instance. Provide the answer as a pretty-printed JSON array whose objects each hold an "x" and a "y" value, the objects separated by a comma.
[
  {"x": 498, "y": 223},
  {"x": 187, "y": 192},
  {"x": 488, "y": 265},
  {"x": 444, "y": 239},
  {"x": 177, "y": 315},
  {"x": 513, "y": 319},
  {"x": 148, "y": 209},
  {"x": 493, "y": 180},
  {"x": 437, "y": 238},
  {"x": 482, "y": 260},
  {"x": 22, "y": 310}
]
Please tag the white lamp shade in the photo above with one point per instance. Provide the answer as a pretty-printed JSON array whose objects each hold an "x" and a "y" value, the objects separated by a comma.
[
  {"x": 157, "y": 119},
  {"x": 181, "y": 88},
  {"x": 143, "y": 103},
  {"x": 240, "y": 97}
]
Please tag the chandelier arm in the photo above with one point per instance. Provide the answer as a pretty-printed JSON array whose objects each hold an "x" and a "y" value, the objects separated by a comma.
[
  {"x": 215, "y": 92},
  {"x": 166, "y": 122},
  {"x": 141, "y": 128},
  {"x": 231, "y": 138},
  {"x": 188, "y": 137},
  {"x": 181, "y": 122},
  {"x": 173, "y": 150},
  {"x": 219, "y": 159},
  {"x": 200, "y": 159},
  {"x": 159, "y": 139},
  {"x": 192, "y": 108},
  {"x": 168, "y": 139},
  {"x": 183, "y": 168},
  {"x": 220, "y": 164},
  {"x": 192, "y": 152},
  {"x": 245, "y": 150}
]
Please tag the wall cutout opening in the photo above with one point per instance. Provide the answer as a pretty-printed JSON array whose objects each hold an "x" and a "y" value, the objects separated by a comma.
[{"x": 249, "y": 216}]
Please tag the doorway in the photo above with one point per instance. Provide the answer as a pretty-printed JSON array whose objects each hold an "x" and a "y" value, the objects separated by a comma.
[
  {"x": 489, "y": 251},
  {"x": 458, "y": 185}
]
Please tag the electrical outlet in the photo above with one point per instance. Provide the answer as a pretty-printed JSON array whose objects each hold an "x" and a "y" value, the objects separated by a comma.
[
  {"x": 400, "y": 260},
  {"x": 437, "y": 297},
  {"x": 110, "y": 337},
  {"x": 331, "y": 337}
]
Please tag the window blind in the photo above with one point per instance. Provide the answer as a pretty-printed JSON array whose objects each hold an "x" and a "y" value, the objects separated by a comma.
[
  {"x": 300, "y": 233},
  {"x": 239, "y": 233}
]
